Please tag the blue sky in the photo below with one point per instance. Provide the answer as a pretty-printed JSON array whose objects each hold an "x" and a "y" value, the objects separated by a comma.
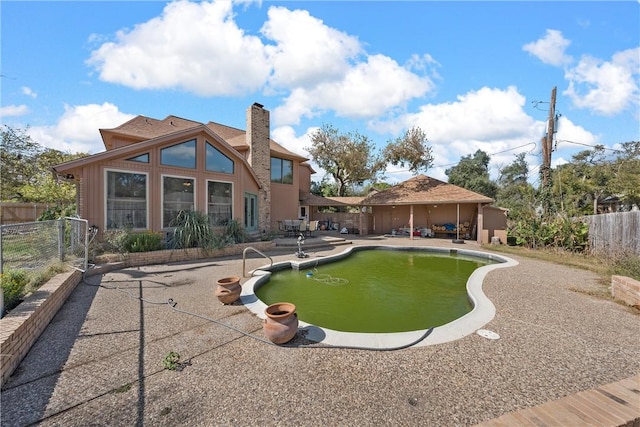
[{"x": 471, "y": 75}]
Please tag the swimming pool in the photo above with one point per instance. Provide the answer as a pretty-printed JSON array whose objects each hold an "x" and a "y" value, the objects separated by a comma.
[{"x": 470, "y": 311}]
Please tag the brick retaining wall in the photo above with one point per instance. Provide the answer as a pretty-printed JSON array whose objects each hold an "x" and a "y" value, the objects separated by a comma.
[
  {"x": 626, "y": 289},
  {"x": 22, "y": 326}
]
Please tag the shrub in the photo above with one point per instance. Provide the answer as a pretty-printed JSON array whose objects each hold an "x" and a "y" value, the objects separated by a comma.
[
  {"x": 14, "y": 283},
  {"x": 192, "y": 230},
  {"x": 142, "y": 242},
  {"x": 234, "y": 232}
]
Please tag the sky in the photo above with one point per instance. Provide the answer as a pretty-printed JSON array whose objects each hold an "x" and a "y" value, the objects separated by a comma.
[{"x": 472, "y": 75}]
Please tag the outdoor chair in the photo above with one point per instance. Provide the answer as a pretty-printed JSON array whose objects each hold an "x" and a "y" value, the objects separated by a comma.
[{"x": 313, "y": 226}]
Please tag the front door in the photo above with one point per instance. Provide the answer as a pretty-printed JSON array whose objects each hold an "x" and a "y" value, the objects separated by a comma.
[{"x": 250, "y": 212}]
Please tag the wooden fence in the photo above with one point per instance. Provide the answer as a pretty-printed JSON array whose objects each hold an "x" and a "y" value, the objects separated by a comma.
[
  {"x": 15, "y": 213},
  {"x": 615, "y": 232}
]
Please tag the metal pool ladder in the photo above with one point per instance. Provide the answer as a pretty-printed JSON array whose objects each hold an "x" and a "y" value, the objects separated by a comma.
[{"x": 244, "y": 259}]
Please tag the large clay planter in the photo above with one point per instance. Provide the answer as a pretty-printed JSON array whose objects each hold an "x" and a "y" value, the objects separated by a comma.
[
  {"x": 281, "y": 324},
  {"x": 228, "y": 289}
]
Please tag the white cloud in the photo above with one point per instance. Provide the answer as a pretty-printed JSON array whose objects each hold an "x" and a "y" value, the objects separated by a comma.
[
  {"x": 27, "y": 91},
  {"x": 605, "y": 87},
  {"x": 570, "y": 135},
  {"x": 550, "y": 49},
  {"x": 367, "y": 90},
  {"x": 77, "y": 129},
  {"x": 286, "y": 136},
  {"x": 491, "y": 120},
  {"x": 307, "y": 51},
  {"x": 196, "y": 47},
  {"x": 13, "y": 110},
  {"x": 315, "y": 67}
]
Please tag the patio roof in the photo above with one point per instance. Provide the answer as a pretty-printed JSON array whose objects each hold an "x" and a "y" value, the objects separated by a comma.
[
  {"x": 422, "y": 189},
  {"x": 313, "y": 200}
]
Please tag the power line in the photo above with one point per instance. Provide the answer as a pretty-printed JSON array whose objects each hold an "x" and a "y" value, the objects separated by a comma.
[{"x": 589, "y": 145}]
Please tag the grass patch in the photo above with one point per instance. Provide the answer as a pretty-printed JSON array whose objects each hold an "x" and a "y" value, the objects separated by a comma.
[{"x": 621, "y": 263}]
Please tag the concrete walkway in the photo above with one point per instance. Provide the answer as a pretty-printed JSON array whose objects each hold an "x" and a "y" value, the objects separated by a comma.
[{"x": 100, "y": 360}]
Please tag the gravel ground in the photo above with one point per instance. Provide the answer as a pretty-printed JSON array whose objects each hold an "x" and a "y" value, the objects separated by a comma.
[{"x": 99, "y": 362}]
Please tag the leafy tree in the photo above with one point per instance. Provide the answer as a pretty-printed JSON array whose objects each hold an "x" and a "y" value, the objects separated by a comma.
[
  {"x": 349, "y": 158},
  {"x": 514, "y": 191},
  {"x": 16, "y": 160},
  {"x": 411, "y": 149},
  {"x": 26, "y": 170},
  {"x": 472, "y": 173},
  {"x": 626, "y": 174}
]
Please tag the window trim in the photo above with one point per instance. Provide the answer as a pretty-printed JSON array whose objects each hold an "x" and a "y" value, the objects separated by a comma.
[
  {"x": 282, "y": 160},
  {"x": 195, "y": 193},
  {"x": 106, "y": 196}
]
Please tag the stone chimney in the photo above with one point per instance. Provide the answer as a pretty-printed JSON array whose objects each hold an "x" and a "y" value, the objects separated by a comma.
[{"x": 258, "y": 137}]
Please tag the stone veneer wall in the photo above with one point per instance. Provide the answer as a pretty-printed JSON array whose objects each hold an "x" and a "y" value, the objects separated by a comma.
[
  {"x": 22, "y": 326},
  {"x": 626, "y": 289},
  {"x": 258, "y": 137}
]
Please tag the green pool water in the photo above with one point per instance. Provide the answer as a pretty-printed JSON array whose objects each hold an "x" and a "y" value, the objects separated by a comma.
[{"x": 378, "y": 290}]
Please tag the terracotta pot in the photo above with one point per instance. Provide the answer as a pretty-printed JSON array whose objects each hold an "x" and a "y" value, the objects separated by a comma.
[
  {"x": 281, "y": 324},
  {"x": 228, "y": 289}
]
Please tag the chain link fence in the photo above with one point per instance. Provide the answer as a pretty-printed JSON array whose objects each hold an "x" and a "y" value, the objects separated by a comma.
[{"x": 34, "y": 247}]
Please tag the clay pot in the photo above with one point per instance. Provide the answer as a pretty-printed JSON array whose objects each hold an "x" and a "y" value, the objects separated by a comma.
[
  {"x": 281, "y": 324},
  {"x": 228, "y": 289}
]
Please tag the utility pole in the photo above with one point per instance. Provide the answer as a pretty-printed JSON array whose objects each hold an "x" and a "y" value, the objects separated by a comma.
[{"x": 547, "y": 142}]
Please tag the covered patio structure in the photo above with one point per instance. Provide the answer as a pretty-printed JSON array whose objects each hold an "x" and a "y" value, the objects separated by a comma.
[{"x": 426, "y": 206}]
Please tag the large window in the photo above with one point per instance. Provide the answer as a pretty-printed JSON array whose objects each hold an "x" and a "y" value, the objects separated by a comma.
[
  {"x": 177, "y": 195},
  {"x": 216, "y": 161},
  {"x": 182, "y": 155},
  {"x": 281, "y": 171},
  {"x": 126, "y": 200},
  {"x": 220, "y": 201}
]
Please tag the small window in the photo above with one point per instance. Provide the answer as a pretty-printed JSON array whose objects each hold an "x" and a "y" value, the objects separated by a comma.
[
  {"x": 281, "y": 170},
  {"x": 177, "y": 195},
  {"x": 142, "y": 158},
  {"x": 218, "y": 162},
  {"x": 181, "y": 155}
]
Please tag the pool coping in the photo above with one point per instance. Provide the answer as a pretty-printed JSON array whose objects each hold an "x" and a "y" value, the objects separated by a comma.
[{"x": 482, "y": 313}]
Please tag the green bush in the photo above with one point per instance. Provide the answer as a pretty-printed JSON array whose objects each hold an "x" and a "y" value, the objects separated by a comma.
[
  {"x": 57, "y": 212},
  {"x": 192, "y": 230},
  {"x": 234, "y": 233},
  {"x": 115, "y": 241},
  {"x": 14, "y": 283},
  {"x": 142, "y": 242}
]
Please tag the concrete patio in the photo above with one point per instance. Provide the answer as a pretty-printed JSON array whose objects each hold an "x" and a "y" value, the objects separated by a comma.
[{"x": 99, "y": 362}]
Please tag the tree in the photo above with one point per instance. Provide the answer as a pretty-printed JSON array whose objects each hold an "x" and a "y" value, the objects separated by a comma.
[
  {"x": 26, "y": 170},
  {"x": 16, "y": 162},
  {"x": 514, "y": 191},
  {"x": 626, "y": 174},
  {"x": 472, "y": 173},
  {"x": 351, "y": 158},
  {"x": 411, "y": 149},
  {"x": 348, "y": 158}
]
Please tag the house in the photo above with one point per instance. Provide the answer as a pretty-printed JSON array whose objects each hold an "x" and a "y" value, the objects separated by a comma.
[{"x": 152, "y": 169}]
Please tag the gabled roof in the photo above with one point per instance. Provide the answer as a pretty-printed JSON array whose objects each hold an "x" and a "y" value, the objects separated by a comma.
[
  {"x": 422, "y": 189},
  {"x": 237, "y": 139},
  {"x": 142, "y": 128},
  {"x": 313, "y": 200},
  {"x": 70, "y": 166}
]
